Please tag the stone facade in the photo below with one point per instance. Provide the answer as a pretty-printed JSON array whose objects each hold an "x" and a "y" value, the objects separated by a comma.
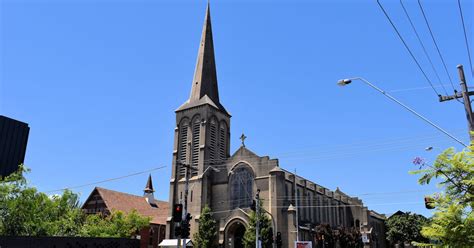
[{"x": 227, "y": 183}]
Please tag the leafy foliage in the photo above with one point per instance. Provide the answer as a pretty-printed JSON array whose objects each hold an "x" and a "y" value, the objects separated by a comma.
[
  {"x": 348, "y": 237},
  {"x": 345, "y": 237},
  {"x": 26, "y": 212},
  {"x": 453, "y": 222},
  {"x": 324, "y": 235},
  {"x": 207, "y": 232},
  {"x": 266, "y": 235},
  {"x": 116, "y": 225},
  {"x": 405, "y": 227}
]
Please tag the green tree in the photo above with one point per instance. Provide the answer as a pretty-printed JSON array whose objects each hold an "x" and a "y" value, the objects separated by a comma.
[
  {"x": 207, "y": 231},
  {"x": 266, "y": 234},
  {"x": 346, "y": 237},
  {"x": 115, "y": 225},
  {"x": 452, "y": 224},
  {"x": 405, "y": 227},
  {"x": 26, "y": 212}
]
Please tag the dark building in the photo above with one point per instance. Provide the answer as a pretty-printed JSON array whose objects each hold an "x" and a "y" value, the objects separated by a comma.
[
  {"x": 13, "y": 140},
  {"x": 104, "y": 201}
]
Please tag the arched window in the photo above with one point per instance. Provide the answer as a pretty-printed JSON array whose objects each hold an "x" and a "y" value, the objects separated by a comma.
[
  {"x": 213, "y": 141},
  {"x": 183, "y": 145},
  {"x": 223, "y": 141},
  {"x": 151, "y": 234},
  {"x": 241, "y": 184},
  {"x": 196, "y": 129}
]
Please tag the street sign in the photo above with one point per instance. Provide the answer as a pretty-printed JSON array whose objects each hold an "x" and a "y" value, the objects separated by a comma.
[
  {"x": 303, "y": 244},
  {"x": 365, "y": 239}
]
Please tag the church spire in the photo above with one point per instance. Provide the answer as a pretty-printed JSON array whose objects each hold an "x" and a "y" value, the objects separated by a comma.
[
  {"x": 205, "y": 76},
  {"x": 204, "y": 88}
]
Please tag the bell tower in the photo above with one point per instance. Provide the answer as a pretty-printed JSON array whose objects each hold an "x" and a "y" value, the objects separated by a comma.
[{"x": 201, "y": 134}]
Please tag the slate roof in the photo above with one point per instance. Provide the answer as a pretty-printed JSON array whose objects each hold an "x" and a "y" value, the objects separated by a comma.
[{"x": 124, "y": 202}]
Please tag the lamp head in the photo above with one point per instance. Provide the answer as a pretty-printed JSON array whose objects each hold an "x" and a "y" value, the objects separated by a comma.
[{"x": 344, "y": 82}]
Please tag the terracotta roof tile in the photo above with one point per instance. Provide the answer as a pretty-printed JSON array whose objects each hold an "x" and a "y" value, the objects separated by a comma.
[{"x": 124, "y": 202}]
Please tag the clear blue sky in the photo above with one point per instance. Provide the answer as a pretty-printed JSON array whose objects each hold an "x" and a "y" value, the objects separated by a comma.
[{"x": 98, "y": 83}]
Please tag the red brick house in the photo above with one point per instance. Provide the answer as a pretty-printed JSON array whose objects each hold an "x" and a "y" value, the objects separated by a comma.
[{"x": 105, "y": 200}]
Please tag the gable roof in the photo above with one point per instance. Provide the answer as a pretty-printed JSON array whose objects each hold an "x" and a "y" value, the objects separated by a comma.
[{"x": 124, "y": 202}]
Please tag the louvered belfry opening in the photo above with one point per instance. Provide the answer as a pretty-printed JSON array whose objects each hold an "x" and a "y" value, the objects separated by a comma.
[
  {"x": 223, "y": 141},
  {"x": 196, "y": 129},
  {"x": 213, "y": 142},
  {"x": 183, "y": 146}
]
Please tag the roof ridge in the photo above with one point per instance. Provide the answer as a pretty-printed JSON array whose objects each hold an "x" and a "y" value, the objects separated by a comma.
[{"x": 125, "y": 193}]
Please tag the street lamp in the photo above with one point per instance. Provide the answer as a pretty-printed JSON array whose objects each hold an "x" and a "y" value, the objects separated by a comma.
[
  {"x": 344, "y": 82},
  {"x": 207, "y": 169},
  {"x": 204, "y": 172}
]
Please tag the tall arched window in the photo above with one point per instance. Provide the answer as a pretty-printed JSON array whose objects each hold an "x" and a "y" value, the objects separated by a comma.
[
  {"x": 196, "y": 129},
  {"x": 183, "y": 145},
  {"x": 222, "y": 140},
  {"x": 213, "y": 141},
  {"x": 150, "y": 238},
  {"x": 241, "y": 183}
]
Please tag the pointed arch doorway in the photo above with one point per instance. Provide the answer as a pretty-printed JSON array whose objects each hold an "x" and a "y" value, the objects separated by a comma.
[{"x": 235, "y": 234}]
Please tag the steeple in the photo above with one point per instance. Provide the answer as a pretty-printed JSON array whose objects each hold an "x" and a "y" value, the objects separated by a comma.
[
  {"x": 148, "y": 192},
  {"x": 204, "y": 88},
  {"x": 149, "y": 186}
]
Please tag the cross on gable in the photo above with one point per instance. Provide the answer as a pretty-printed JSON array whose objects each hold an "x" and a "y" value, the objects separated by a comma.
[{"x": 243, "y": 137}]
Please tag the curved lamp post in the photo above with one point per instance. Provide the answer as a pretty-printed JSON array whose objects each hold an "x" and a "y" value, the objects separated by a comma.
[{"x": 344, "y": 82}]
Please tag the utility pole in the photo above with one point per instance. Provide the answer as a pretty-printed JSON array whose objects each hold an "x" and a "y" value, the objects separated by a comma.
[
  {"x": 465, "y": 93},
  {"x": 257, "y": 211},
  {"x": 296, "y": 204}
]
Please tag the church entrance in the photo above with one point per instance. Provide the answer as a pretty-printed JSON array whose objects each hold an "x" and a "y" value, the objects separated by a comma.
[{"x": 235, "y": 235}]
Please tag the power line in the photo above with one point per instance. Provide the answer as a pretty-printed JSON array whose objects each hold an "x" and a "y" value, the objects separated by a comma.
[
  {"x": 330, "y": 206},
  {"x": 107, "y": 180},
  {"x": 396, "y": 144},
  {"x": 436, "y": 44},
  {"x": 422, "y": 45},
  {"x": 416, "y": 88},
  {"x": 406, "y": 46},
  {"x": 330, "y": 155},
  {"x": 465, "y": 37}
]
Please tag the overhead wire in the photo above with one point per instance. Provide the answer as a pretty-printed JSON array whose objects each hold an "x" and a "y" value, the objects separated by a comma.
[
  {"x": 465, "y": 37},
  {"x": 436, "y": 44},
  {"x": 328, "y": 155},
  {"x": 422, "y": 45},
  {"x": 415, "y": 88},
  {"x": 359, "y": 147},
  {"x": 106, "y": 180},
  {"x": 402, "y": 143},
  {"x": 408, "y": 48},
  {"x": 328, "y": 206}
]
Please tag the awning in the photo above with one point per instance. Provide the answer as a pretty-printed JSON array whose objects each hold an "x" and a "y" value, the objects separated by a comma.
[{"x": 174, "y": 242}]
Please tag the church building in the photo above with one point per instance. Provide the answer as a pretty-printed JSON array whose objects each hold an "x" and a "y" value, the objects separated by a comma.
[{"x": 228, "y": 182}]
